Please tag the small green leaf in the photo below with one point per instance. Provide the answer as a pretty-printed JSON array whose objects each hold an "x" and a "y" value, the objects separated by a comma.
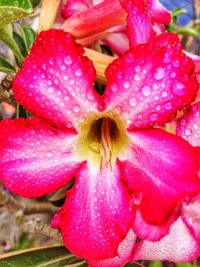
[
  {"x": 184, "y": 264},
  {"x": 7, "y": 38},
  {"x": 11, "y": 11},
  {"x": 178, "y": 11},
  {"x": 35, "y": 2},
  {"x": 5, "y": 66},
  {"x": 21, "y": 44},
  {"x": 189, "y": 31},
  {"x": 56, "y": 256},
  {"x": 29, "y": 36},
  {"x": 155, "y": 264},
  {"x": 135, "y": 264}
]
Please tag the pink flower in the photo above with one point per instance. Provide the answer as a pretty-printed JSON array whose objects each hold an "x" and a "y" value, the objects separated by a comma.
[
  {"x": 126, "y": 171},
  {"x": 107, "y": 16},
  {"x": 116, "y": 37},
  {"x": 185, "y": 231}
]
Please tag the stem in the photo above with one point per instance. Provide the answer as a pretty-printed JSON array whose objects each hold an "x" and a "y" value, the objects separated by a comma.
[
  {"x": 101, "y": 62},
  {"x": 34, "y": 226},
  {"x": 48, "y": 14},
  {"x": 39, "y": 208},
  {"x": 95, "y": 19}
]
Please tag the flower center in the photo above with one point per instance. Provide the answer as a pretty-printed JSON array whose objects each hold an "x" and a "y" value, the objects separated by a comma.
[{"x": 101, "y": 139}]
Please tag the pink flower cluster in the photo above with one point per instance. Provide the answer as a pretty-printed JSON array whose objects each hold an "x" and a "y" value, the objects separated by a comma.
[{"x": 132, "y": 178}]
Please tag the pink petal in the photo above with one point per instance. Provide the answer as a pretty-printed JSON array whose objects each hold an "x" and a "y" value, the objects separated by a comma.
[
  {"x": 72, "y": 7},
  {"x": 35, "y": 158},
  {"x": 147, "y": 85},
  {"x": 96, "y": 215},
  {"x": 179, "y": 246},
  {"x": 191, "y": 216},
  {"x": 56, "y": 81},
  {"x": 139, "y": 22},
  {"x": 118, "y": 42},
  {"x": 152, "y": 232},
  {"x": 158, "y": 12},
  {"x": 189, "y": 127},
  {"x": 124, "y": 253},
  {"x": 196, "y": 60},
  {"x": 161, "y": 171},
  {"x": 96, "y": 19}
]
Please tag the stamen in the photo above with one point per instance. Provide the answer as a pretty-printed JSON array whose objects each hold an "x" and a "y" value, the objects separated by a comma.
[{"x": 105, "y": 139}]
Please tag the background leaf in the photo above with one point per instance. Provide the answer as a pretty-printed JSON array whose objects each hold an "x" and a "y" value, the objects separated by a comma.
[
  {"x": 7, "y": 38},
  {"x": 28, "y": 36},
  {"x": 5, "y": 66},
  {"x": 21, "y": 44},
  {"x": 56, "y": 256},
  {"x": 13, "y": 10}
]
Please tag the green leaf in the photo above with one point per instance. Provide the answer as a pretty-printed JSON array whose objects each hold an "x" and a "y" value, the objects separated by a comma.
[
  {"x": 56, "y": 256},
  {"x": 21, "y": 44},
  {"x": 5, "y": 66},
  {"x": 189, "y": 31},
  {"x": 11, "y": 11},
  {"x": 155, "y": 264},
  {"x": 35, "y": 2},
  {"x": 7, "y": 38},
  {"x": 178, "y": 11},
  {"x": 28, "y": 35},
  {"x": 185, "y": 264},
  {"x": 135, "y": 264}
]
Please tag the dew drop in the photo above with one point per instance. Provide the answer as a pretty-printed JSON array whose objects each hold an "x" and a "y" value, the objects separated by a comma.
[
  {"x": 195, "y": 126},
  {"x": 50, "y": 90},
  {"x": 188, "y": 132},
  {"x": 56, "y": 81},
  {"x": 76, "y": 109},
  {"x": 137, "y": 68},
  {"x": 63, "y": 67},
  {"x": 114, "y": 87},
  {"x": 176, "y": 64},
  {"x": 126, "y": 84},
  {"x": 129, "y": 58},
  {"x": 146, "y": 90},
  {"x": 133, "y": 102},
  {"x": 78, "y": 72},
  {"x": 68, "y": 60},
  {"x": 137, "y": 77},
  {"x": 159, "y": 74},
  {"x": 90, "y": 96},
  {"x": 153, "y": 117},
  {"x": 164, "y": 94},
  {"x": 168, "y": 105},
  {"x": 178, "y": 89}
]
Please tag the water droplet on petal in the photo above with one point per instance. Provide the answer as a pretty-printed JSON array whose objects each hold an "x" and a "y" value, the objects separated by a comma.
[
  {"x": 126, "y": 84},
  {"x": 114, "y": 87},
  {"x": 178, "y": 89},
  {"x": 68, "y": 60},
  {"x": 137, "y": 77},
  {"x": 153, "y": 117},
  {"x": 159, "y": 74},
  {"x": 146, "y": 90},
  {"x": 78, "y": 72},
  {"x": 168, "y": 105},
  {"x": 50, "y": 90},
  {"x": 133, "y": 102},
  {"x": 188, "y": 132},
  {"x": 90, "y": 96},
  {"x": 76, "y": 109}
]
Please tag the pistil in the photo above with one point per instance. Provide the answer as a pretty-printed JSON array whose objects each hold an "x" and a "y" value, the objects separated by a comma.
[{"x": 106, "y": 144}]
